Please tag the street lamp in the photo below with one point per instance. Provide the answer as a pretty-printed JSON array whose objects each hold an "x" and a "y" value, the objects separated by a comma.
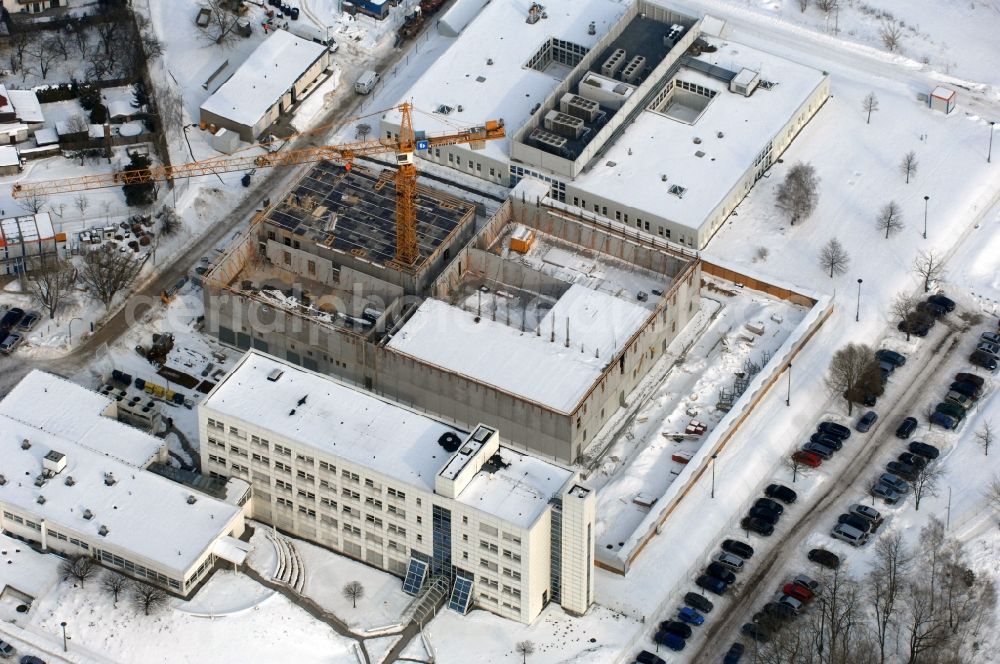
[
  {"x": 71, "y": 329},
  {"x": 788, "y": 399},
  {"x": 926, "y": 198},
  {"x": 714, "y": 457},
  {"x": 990, "y": 153},
  {"x": 857, "y": 315},
  {"x": 63, "y": 623}
]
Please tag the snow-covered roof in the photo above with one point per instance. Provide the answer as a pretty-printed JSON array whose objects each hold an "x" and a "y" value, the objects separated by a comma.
[
  {"x": 5, "y": 104},
  {"x": 9, "y": 156},
  {"x": 518, "y": 493},
  {"x": 143, "y": 513},
  {"x": 119, "y": 108},
  {"x": 62, "y": 408},
  {"x": 528, "y": 364},
  {"x": 943, "y": 93},
  {"x": 26, "y": 228},
  {"x": 11, "y": 129},
  {"x": 331, "y": 417},
  {"x": 24, "y": 569},
  {"x": 26, "y": 105},
  {"x": 509, "y": 89},
  {"x": 46, "y": 136},
  {"x": 656, "y": 145},
  {"x": 270, "y": 71}
]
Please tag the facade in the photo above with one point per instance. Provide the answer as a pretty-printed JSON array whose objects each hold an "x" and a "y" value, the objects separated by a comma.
[
  {"x": 74, "y": 482},
  {"x": 446, "y": 510},
  {"x": 32, "y": 6},
  {"x": 28, "y": 243},
  {"x": 276, "y": 76}
]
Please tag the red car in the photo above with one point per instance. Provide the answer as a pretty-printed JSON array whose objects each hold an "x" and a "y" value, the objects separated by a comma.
[
  {"x": 800, "y": 593},
  {"x": 808, "y": 459}
]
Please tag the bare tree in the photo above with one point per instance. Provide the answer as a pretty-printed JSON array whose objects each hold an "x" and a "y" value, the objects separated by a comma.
[
  {"x": 992, "y": 493},
  {"x": 908, "y": 166},
  {"x": 834, "y": 258},
  {"x": 890, "y": 219},
  {"x": 76, "y": 124},
  {"x": 147, "y": 598},
  {"x": 925, "y": 483},
  {"x": 106, "y": 272},
  {"x": 798, "y": 193},
  {"x": 353, "y": 591},
  {"x": 524, "y": 648},
  {"x": 885, "y": 585},
  {"x": 827, "y": 6},
  {"x": 984, "y": 437},
  {"x": 362, "y": 130},
  {"x": 114, "y": 584},
  {"x": 902, "y": 307},
  {"x": 49, "y": 287},
  {"x": 221, "y": 28},
  {"x": 869, "y": 104},
  {"x": 82, "y": 202},
  {"x": 761, "y": 254},
  {"x": 41, "y": 53},
  {"x": 170, "y": 222},
  {"x": 32, "y": 202},
  {"x": 80, "y": 568},
  {"x": 794, "y": 465},
  {"x": 19, "y": 44},
  {"x": 803, "y": 5},
  {"x": 929, "y": 266},
  {"x": 59, "y": 43},
  {"x": 151, "y": 45},
  {"x": 78, "y": 30},
  {"x": 891, "y": 33},
  {"x": 853, "y": 372},
  {"x": 171, "y": 106}
]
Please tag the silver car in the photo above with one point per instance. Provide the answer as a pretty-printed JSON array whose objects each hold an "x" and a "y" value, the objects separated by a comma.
[
  {"x": 849, "y": 534},
  {"x": 12, "y": 341},
  {"x": 896, "y": 482},
  {"x": 730, "y": 561}
]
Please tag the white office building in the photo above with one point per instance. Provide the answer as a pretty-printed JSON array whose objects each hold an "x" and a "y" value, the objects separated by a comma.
[{"x": 449, "y": 511}]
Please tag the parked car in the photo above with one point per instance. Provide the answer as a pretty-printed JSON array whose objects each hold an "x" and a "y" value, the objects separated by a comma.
[
  {"x": 28, "y": 323},
  {"x": 764, "y": 514},
  {"x": 849, "y": 534},
  {"x": 960, "y": 400},
  {"x": 808, "y": 459},
  {"x": 775, "y": 610},
  {"x": 10, "y": 342},
  {"x": 670, "y": 640},
  {"x": 988, "y": 347},
  {"x": 890, "y": 356},
  {"x": 741, "y": 549},
  {"x": 914, "y": 460},
  {"x": 941, "y": 300},
  {"x": 769, "y": 504},
  {"x": 721, "y": 573},
  {"x": 949, "y": 408},
  {"x": 984, "y": 360},
  {"x": 978, "y": 381},
  {"x": 896, "y": 482},
  {"x": 822, "y": 451},
  {"x": 690, "y": 616},
  {"x": 800, "y": 593},
  {"x": 646, "y": 657},
  {"x": 906, "y": 428},
  {"x": 811, "y": 584},
  {"x": 824, "y": 558},
  {"x": 855, "y": 521},
  {"x": 11, "y": 318},
  {"x": 904, "y": 470},
  {"x": 834, "y": 429},
  {"x": 931, "y": 309},
  {"x": 827, "y": 440},
  {"x": 711, "y": 584},
  {"x": 31, "y": 659},
  {"x": 917, "y": 328},
  {"x": 699, "y": 602},
  {"x": 6, "y": 650},
  {"x": 734, "y": 654},
  {"x": 924, "y": 450},
  {"x": 992, "y": 337},
  {"x": 755, "y": 632},
  {"x": 889, "y": 495},
  {"x": 867, "y": 421},
  {"x": 729, "y": 560},
  {"x": 792, "y": 603},
  {"x": 758, "y": 526},
  {"x": 968, "y": 389},
  {"x": 781, "y": 492},
  {"x": 944, "y": 421},
  {"x": 867, "y": 512},
  {"x": 682, "y": 630}
]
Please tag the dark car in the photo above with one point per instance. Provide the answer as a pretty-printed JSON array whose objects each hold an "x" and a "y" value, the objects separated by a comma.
[
  {"x": 775, "y": 610},
  {"x": 699, "y": 602},
  {"x": 914, "y": 460},
  {"x": 31, "y": 659},
  {"x": 764, "y": 514},
  {"x": 11, "y": 318},
  {"x": 827, "y": 440},
  {"x": 978, "y": 381},
  {"x": 867, "y": 421},
  {"x": 721, "y": 573},
  {"x": 755, "y": 632},
  {"x": 711, "y": 584},
  {"x": 890, "y": 356},
  {"x": 734, "y": 654},
  {"x": 932, "y": 309},
  {"x": 942, "y": 301},
  {"x": 967, "y": 389},
  {"x": 983, "y": 359},
  {"x": 906, "y": 428},
  {"x": 682, "y": 630},
  {"x": 822, "y": 451},
  {"x": 758, "y": 526},
  {"x": 670, "y": 640},
  {"x": 769, "y": 504},
  {"x": 952, "y": 409},
  {"x": 834, "y": 429},
  {"x": 924, "y": 450},
  {"x": 824, "y": 558},
  {"x": 915, "y": 327},
  {"x": 781, "y": 492},
  {"x": 855, "y": 521},
  {"x": 646, "y": 657},
  {"x": 944, "y": 421},
  {"x": 904, "y": 470},
  {"x": 737, "y": 548}
]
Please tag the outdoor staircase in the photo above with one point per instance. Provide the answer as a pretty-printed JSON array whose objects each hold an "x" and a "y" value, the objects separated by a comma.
[{"x": 290, "y": 570}]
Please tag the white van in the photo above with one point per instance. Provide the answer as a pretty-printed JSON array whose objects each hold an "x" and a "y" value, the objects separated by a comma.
[
  {"x": 366, "y": 82},
  {"x": 849, "y": 534}
]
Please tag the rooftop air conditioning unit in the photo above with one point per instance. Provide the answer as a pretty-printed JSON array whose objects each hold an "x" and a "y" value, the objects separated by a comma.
[
  {"x": 3, "y": 480},
  {"x": 69, "y": 481},
  {"x": 103, "y": 531},
  {"x": 109, "y": 479},
  {"x": 275, "y": 375},
  {"x": 192, "y": 500},
  {"x": 614, "y": 62},
  {"x": 579, "y": 107},
  {"x": 564, "y": 124},
  {"x": 25, "y": 444},
  {"x": 40, "y": 500},
  {"x": 88, "y": 515}
]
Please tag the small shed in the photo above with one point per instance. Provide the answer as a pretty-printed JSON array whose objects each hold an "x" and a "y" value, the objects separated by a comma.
[
  {"x": 943, "y": 99},
  {"x": 10, "y": 161},
  {"x": 226, "y": 141}
]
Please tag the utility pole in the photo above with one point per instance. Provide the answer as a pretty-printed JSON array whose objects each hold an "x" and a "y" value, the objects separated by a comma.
[
  {"x": 714, "y": 457},
  {"x": 857, "y": 315},
  {"x": 788, "y": 399},
  {"x": 926, "y": 198},
  {"x": 989, "y": 154}
]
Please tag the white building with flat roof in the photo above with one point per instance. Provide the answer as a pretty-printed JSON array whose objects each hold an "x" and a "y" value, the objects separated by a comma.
[
  {"x": 449, "y": 511},
  {"x": 74, "y": 482}
]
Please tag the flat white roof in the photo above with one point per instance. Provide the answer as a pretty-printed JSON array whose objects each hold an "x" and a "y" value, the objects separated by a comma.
[
  {"x": 144, "y": 513},
  {"x": 333, "y": 418},
  {"x": 631, "y": 171},
  {"x": 26, "y": 105},
  {"x": 943, "y": 93},
  {"x": 269, "y": 72},
  {"x": 9, "y": 156},
  {"x": 510, "y": 89},
  {"x": 64, "y": 409},
  {"x": 527, "y": 363},
  {"x": 24, "y": 569},
  {"x": 518, "y": 493}
]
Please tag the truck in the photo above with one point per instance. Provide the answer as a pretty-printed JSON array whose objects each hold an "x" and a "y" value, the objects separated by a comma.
[
  {"x": 366, "y": 82},
  {"x": 313, "y": 34}
]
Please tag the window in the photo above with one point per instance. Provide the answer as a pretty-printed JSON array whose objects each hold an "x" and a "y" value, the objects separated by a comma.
[
  {"x": 488, "y": 546},
  {"x": 301, "y": 458},
  {"x": 371, "y": 502},
  {"x": 261, "y": 459},
  {"x": 512, "y": 573},
  {"x": 512, "y": 556},
  {"x": 347, "y": 475},
  {"x": 326, "y": 502},
  {"x": 213, "y": 458},
  {"x": 393, "y": 528},
  {"x": 325, "y": 484},
  {"x": 233, "y": 431},
  {"x": 260, "y": 442},
  {"x": 486, "y": 564},
  {"x": 488, "y": 529},
  {"x": 308, "y": 495},
  {"x": 392, "y": 509},
  {"x": 353, "y": 495},
  {"x": 287, "y": 257},
  {"x": 303, "y": 475},
  {"x": 241, "y": 469},
  {"x": 284, "y": 451},
  {"x": 513, "y": 539},
  {"x": 396, "y": 494},
  {"x": 513, "y": 592},
  {"x": 284, "y": 502},
  {"x": 311, "y": 267},
  {"x": 311, "y": 513},
  {"x": 216, "y": 425},
  {"x": 374, "y": 520},
  {"x": 350, "y": 511},
  {"x": 216, "y": 443},
  {"x": 323, "y": 465},
  {"x": 370, "y": 483},
  {"x": 282, "y": 467},
  {"x": 237, "y": 450}
]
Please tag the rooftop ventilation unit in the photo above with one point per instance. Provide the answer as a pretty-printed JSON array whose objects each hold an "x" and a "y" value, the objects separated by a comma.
[
  {"x": 109, "y": 479},
  {"x": 40, "y": 500},
  {"x": 677, "y": 190},
  {"x": 191, "y": 500},
  {"x": 54, "y": 462},
  {"x": 450, "y": 441},
  {"x": 614, "y": 62},
  {"x": 548, "y": 141},
  {"x": 745, "y": 82},
  {"x": 634, "y": 69},
  {"x": 579, "y": 107},
  {"x": 564, "y": 124},
  {"x": 25, "y": 444},
  {"x": 3, "y": 480},
  {"x": 41, "y": 480},
  {"x": 275, "y": 375},
  {"x": 88, "y": 515},
  {"x": 103, "y": 531},
  {"x": 69, "y": 481},
  {"x": 676, "y": 32}
]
